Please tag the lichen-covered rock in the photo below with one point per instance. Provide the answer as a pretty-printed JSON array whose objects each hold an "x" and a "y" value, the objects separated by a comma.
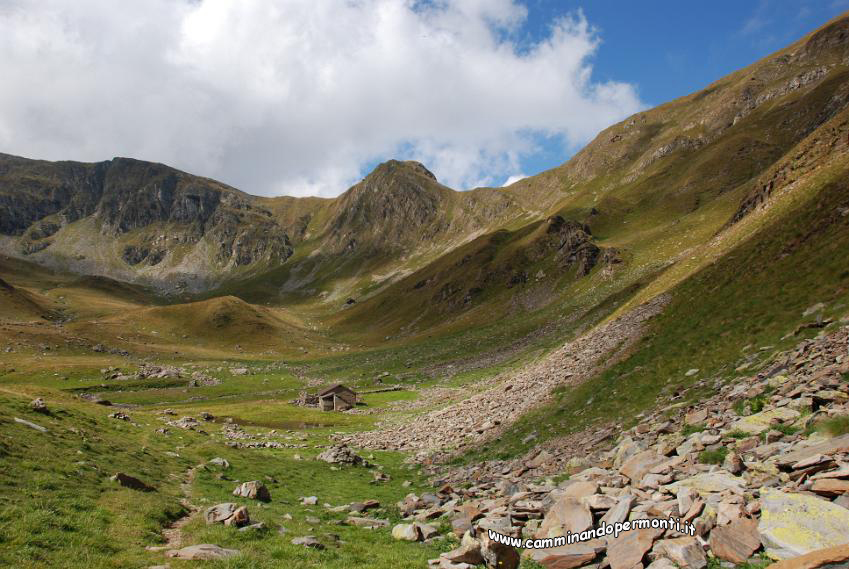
[
  {"x": 760, "y": 422},
  {"x": 406, "y": 532},
  {"x": 794, "y": 524}
]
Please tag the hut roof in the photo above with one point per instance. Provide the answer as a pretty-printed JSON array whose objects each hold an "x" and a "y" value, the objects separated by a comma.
[{"x": 334, "y": 388}]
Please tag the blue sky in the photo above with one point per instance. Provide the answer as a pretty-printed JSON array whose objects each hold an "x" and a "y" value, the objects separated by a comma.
[{"x": 668, "y": 49}]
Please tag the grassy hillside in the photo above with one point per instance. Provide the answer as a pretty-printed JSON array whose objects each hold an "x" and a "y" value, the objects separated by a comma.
[
  {"x": 61, "y": 508},
  {"x": 724, "y": 320}
]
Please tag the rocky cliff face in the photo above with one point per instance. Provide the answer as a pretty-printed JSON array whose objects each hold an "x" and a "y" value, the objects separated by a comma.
[{"x": 155, "y": 220}]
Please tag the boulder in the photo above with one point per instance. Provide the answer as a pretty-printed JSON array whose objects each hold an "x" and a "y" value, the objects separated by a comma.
[
  {"x": 567, "y": 514},
  {"x": 662, "y": 563},
  {"x": 498, "y": 555},
  {"x": 619, "y": 512},
  {"x": 564, "y": 557},
  {"x": 733, "y": 463},
  {"x": 737, "y": 541},
  {"x": 469, "y": 553},
  {"x": 686, "y": 552},
  {"x": 131, "y": 482},
  {"x": 30, "y": 424},
  {"x": 461, "y": 525},
  {"x": 760, "y": 422},
  {"x": 727, "y": 512},
  {"x": 709, "y": 482},
  {"x": 308, "y": 541},
  {"x": 579, "y": 488},
  {"x": 831, "y": 487},
  {"x": 253, "y": 527},
  {"x": 229, "y": 514},
  {"x": 202, "y": 552},
  {"x": 427, "y": 531},
  {"x": 641, "y": 464},
  {"x": 39, "y": 406},
  {"x": 406, "y": 532},
  {"x": 255, "y": 490},
  {"x": 796, "y": 524},
  {"x": 341, "y": 454},
  {"x": 220, "y": 462},
  {"x": 627, "y": 550},
  {"x": 364, "y": 506},
  {"x": 543, "y": 457},
  {"x": 832, "y": 446},
  {"x": 369, "y": 523},
  {"x": 696, "y": 417},
  {"x": 686, "y": 497},
  {"x": 831, "y": 557},
  {"x": 599, "y": 501}
]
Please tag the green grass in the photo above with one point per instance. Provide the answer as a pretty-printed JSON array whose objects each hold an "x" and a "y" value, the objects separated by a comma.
[
  {"x": 692, "y": 429},
  {"x": 295, "y": 479},
  {"x": 835, "y": 426},
  {"x": 59, "y": 506},
  {"x": 60, "y": 509},
  {"x": 787, "y": 429},
  {"x": 737, "y": 434},
  {"x": 713, "y": 456}
]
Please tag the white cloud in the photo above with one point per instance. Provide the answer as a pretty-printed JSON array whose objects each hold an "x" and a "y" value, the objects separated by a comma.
[
  {"x": 296, "y": 96},
  {"x": 513, "y": 179}
]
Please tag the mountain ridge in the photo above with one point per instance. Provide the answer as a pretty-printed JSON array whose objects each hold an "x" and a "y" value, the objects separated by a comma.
[{"x": 664, "y": 170}]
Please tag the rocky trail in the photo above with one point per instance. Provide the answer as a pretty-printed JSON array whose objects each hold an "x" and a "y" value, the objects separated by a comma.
[{"x": 486, "y": 414}]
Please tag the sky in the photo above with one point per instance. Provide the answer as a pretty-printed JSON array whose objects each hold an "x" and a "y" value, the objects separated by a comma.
[{"x": 305, "y": 97}]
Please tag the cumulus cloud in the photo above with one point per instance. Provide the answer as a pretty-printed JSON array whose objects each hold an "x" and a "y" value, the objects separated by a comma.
[{"x": 295, "y": 97}]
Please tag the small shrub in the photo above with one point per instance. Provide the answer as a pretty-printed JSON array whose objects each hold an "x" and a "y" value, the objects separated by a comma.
[
  {"x": 713, "y": 456},
  {"x": 835, "y": 426},
  {"x": 738, "y": 434},
  {"x": 562, "y": 477},
  {"x": 739, "y": 407},
  {"x": 756, "y": 404},
  {"x": 787, "y": 429},
  {"x": 691, "y": 429}
]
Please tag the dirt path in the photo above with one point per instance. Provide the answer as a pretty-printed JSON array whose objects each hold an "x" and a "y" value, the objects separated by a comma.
[{"x": 173, "y": 534}]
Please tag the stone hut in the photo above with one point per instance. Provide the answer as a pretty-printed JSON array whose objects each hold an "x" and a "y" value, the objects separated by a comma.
[{"x": 337, "y": 398}]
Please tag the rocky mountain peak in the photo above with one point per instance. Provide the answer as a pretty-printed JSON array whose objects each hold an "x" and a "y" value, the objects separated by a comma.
[{"x": 400, "y": 168}]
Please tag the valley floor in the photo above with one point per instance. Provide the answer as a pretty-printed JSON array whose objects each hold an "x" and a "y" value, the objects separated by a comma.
[{"x": 119, "y": 465}]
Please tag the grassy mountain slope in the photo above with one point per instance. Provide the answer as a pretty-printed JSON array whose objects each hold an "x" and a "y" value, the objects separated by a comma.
[
  {"x": 484, "y": 268},
  {"x": 766, "y": 289}
]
